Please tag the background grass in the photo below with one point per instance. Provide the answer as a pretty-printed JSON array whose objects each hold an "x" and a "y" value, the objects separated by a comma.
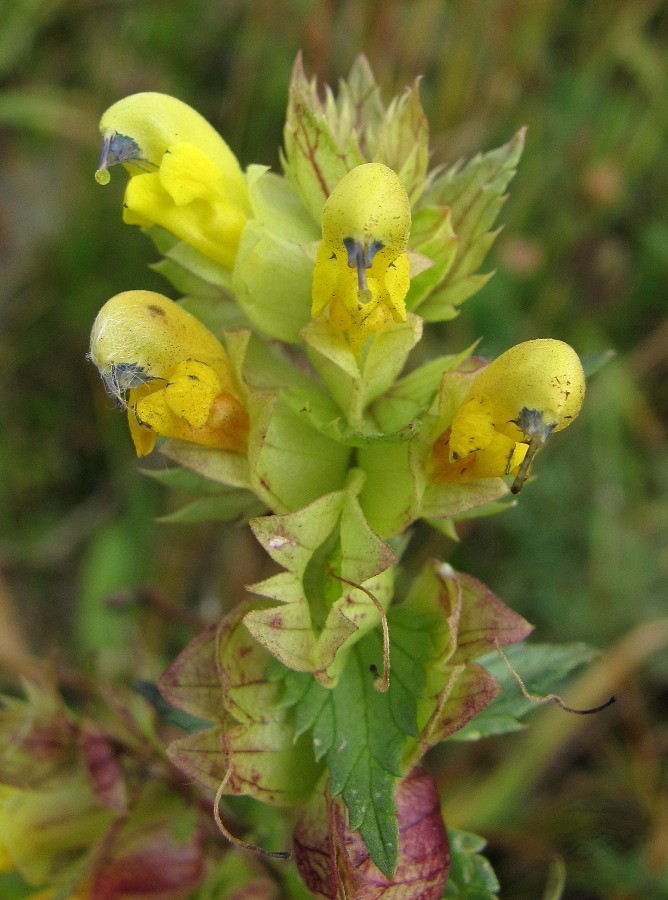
[{"x": 583, "y": 257}]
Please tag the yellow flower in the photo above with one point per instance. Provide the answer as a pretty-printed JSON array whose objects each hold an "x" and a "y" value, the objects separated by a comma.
[
  {"x": 184, "y": 177},
  {"x": 361, "y": 270},
  {"x": 510, "y": 409},
  {"x": 169, "y": 370}
]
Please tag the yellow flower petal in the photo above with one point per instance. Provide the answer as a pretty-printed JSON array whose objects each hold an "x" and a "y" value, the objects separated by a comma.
[
  {"x": 184, "y": 176},
  {"x": 361, "y": 269},
  {"x": 510, "y": 409},
  {"x": 191, "y": 391},
  {"x": 174, "y": 370}
]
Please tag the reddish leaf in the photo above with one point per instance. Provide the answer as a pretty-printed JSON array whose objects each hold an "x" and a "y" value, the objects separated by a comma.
[
  {"x": 334, "y": 862},
  {"x": 103, "y": 768},
  {"x": 480, "y": 617},
  {"x": 192, "y": 682},
  {"x": 36, "y": 737},
  {"x": 155, "y": 854},
  {"x": 469, "y": 689},
  {"x": 150, "y": 863},
  {"x": 200, "y": 756}
]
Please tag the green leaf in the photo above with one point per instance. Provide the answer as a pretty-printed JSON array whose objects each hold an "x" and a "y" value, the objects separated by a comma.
[
  {"x": 594, "y": 362},
  {"x": 233, "y": 506},
  {"x": 221, "y": 466},
  {"x": 222, "y": 676},
  {"x": 322, "y": 413},
  {"x": 391, "y": 493},
  {"x": 168, "y": 713},
  {"x": 542, "y": 667},
  {"x": 402, "y": 140},
  {"x": 355, "y": 731},
  {"x": 179, "y": 479},
  {"x": 471, "y": 877},
  {"x": 447, "y": 620},
  {"x": 191, "y": 261},
  {"x": 218, "y": 313},
  {"x": 319, "y": 149}
]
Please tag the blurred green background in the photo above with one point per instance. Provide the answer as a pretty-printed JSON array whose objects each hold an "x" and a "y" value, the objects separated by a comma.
[{"x": 583, "y": 257}]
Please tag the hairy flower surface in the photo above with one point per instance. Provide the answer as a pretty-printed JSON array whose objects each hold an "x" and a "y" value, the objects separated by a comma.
[
  {"x": 171, "y": 372},
  {"x": 361, "y": 269},
  {"x": 510, "y": 409},
  {"x": 184, "y": 177}
]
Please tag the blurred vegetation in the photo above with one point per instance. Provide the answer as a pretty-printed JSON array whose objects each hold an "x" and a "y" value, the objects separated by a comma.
[{"x": 583, "y": 257}]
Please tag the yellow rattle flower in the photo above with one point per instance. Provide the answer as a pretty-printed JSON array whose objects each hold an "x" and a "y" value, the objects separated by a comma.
[
  {"x": 184, "y": 177},
  {"x": 361, "y": 268},
  {"x": 510, "y": 409},
  {"x": 169, "y": 370}
]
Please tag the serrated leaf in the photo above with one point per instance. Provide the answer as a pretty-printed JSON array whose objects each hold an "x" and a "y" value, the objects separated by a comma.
[
  {"x": 319, "y": 149},
  {"x": 543, "y": 668},
  {"x": 222, "y": 675},
  {"x": 192, "y": 682},
  {"x": 412, "y": 395},
  {"x": 266, "y": 759},
  {"x": 447, "y": 620},
  {"x": 354, "y": 730},
  {"x": 471, "y": 877},
  {"x": 402, "y": 140},
  {"x": 320, "y": 412}
]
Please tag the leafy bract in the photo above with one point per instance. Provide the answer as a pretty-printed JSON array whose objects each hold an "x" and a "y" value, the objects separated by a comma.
[
  {"x": 448, "y": 620},
  {"x": 468, "y": 198},
  {"x": 326, "y": 138},
  {"x": 355, "y": 383},
  {"x": 320, "y": 618},
  {"x": 221, "y": 676},
  {"x": 354, "y": 731}
]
